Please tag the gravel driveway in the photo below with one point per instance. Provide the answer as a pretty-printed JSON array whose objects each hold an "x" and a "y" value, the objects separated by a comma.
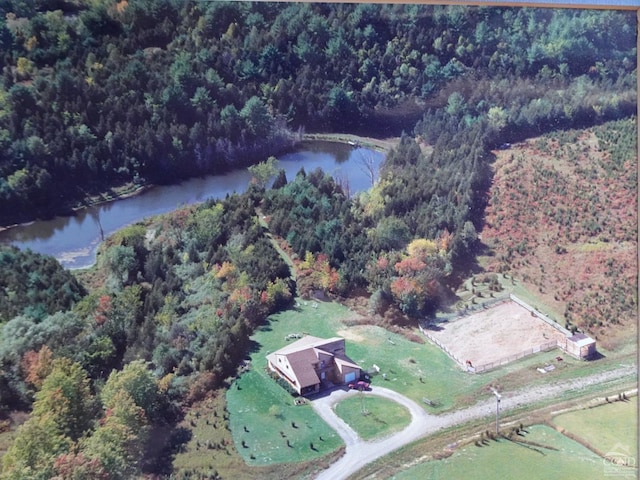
[{"x": 359, "y": 453}]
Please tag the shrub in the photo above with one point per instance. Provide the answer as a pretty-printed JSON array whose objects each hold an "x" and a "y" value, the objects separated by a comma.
[{"x": 378, "y": 302}]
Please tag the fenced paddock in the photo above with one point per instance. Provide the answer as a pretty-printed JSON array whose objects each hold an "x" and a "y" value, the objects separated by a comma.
[{"x": 494, "y": 336}]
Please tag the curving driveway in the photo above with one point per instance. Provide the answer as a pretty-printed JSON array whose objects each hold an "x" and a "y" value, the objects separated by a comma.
[{"x": 359, "y": 453}]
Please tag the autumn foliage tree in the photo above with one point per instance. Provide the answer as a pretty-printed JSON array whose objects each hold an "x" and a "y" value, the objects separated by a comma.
[
  {"x": 413, "y": 278},
  {"x": 315, "y": 272},
  {"x": 77, "y": 466},
  {"x": 62, "y": 413},
  {"x": 37, "y": 366}
]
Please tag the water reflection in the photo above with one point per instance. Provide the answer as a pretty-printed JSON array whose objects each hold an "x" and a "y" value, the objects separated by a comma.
[{"x": 73, "y": 240}]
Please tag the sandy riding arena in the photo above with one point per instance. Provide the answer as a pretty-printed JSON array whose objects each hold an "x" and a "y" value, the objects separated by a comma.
[{"x": 494, "y": 334}]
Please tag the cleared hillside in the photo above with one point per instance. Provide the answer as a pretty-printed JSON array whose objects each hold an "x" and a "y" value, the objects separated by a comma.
[{"x": 562, "y": 217}]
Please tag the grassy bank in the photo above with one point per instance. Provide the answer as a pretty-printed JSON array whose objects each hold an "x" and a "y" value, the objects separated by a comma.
[
  {"x": 383, "y": 145},
  {"x": 612, "y": 427}
]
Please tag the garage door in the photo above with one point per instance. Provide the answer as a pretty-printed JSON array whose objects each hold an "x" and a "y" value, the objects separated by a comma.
[{"x": 350, "y": 377}]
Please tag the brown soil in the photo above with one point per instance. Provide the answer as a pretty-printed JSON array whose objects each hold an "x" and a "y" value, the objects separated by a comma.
[{"x": 494, "y": 334}]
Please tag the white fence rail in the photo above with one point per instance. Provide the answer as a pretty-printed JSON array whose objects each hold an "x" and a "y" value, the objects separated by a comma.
[
  {"x": 442, "y": 346},
  {"x": 540, "y": 315},
  {"x": 544, "y": 347}
]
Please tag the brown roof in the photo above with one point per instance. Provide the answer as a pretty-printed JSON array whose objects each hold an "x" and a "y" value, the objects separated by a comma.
[
  {"x": 344, "y": 361},
  {"x": 303, "y": 354},
  {"x": 301, "y": 362},
  {"x": 306, "y": 342}
]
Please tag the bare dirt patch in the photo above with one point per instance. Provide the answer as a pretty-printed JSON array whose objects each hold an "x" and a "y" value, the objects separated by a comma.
[
  {"x": 352, "y": 335},
  {"x": 490, "y": 335}
]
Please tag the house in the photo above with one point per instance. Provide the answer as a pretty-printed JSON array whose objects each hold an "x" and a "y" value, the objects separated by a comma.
[
  {"x": 580, "y": 346},
  {"x": 312, "y": 362}
]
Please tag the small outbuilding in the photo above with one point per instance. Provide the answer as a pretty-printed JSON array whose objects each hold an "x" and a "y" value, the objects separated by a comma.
[
  {"x": 310, "y": 362},
  {"x": 580, "y": 346}
]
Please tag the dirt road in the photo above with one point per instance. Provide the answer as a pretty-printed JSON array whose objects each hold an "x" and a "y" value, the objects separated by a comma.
[{"x": 359, "y": 453}]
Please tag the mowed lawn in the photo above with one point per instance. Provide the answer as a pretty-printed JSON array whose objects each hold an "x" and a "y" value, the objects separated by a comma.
[
  {"x": 418, "y": 371},
  {"x": 373, "y": 417},
  {"x": 262, "y": 414},
  {"x": 515, "y": 461},
  {"x": 268, "y": 427},
  {"x": 608, "y": 428},
  {"x": 415, "y": 370}
]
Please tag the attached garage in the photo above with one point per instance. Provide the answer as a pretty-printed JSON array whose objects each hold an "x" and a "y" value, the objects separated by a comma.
[
  {"x": 350, "y": 377},
  {"x": 312, "y": 362}
]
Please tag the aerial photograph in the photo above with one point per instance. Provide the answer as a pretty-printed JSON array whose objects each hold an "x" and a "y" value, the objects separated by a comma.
[{"x": 319, "y": 241}]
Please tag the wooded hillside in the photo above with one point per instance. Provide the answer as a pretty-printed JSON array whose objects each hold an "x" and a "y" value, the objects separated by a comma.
[{"x": 96, "y": 94}]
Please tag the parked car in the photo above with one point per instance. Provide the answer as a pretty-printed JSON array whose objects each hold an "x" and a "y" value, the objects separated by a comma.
[{"x": 359, "y": 385}]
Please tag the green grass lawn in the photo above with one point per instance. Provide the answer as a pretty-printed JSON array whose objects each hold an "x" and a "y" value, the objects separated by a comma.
[
  {"x": 268, "y": 427},
  {"x": 266, "y": 410},
  {"x": 371, "y": 416},
  {"x": 415, "y": 370},
  {"x": 607, "y": 428},
  {"x": 506, "y": 459}
]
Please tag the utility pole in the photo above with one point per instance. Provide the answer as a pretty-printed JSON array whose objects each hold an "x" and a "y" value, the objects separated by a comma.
[
  {"x": 364, "y": 408},
  {"x": 498, "y": 397}
]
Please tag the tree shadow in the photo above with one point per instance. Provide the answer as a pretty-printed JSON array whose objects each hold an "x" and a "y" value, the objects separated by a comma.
[
  {"x": 524, "y": 445},
  {"x": 165, "y": 442},
  {"x": 253, "y": 346},
  {"x": 435, "y": 326}
]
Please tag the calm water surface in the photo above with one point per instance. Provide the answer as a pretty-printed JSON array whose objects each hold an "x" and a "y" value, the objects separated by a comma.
[{"x": 73, "y": 240}]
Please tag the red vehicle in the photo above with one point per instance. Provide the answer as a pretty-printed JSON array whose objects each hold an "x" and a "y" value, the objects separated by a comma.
[{"x": 359, "y": 385}]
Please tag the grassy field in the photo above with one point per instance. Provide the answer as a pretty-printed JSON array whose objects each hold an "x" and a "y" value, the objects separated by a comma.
[
  {"x": 211, "y": 452},
  {"x": 562, "y": 458},
  {"x": 606, "y": 428},
  {"x": 210, "y": 447},
  {"x": 415, "y": 370},
  {"x": 262, "y": 414},
  {"x": 372, "y": 417},
  {"x": 269, "y": 428},
  {"x": 267, "y": 411}
]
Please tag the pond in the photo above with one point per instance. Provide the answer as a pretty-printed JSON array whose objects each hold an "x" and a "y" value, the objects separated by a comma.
[{"x": 73, "y": 240}]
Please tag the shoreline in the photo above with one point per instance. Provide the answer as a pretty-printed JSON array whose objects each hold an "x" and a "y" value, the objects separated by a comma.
[
  {"x": 127, "y": 190},
  {"x": 92, "y": 201},
  {"x": 382, "y": 145}
]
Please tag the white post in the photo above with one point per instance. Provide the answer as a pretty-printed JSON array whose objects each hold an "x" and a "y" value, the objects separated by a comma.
[{"x": 498, "y": 397}]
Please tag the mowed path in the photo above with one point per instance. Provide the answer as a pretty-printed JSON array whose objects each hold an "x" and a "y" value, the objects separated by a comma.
[{"x": 360, "y": 453}]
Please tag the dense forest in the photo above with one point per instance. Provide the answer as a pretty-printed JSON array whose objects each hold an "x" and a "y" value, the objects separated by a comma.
[
  {"x": 96, "y": 94},
  {"x": 99, "y": 94}
]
